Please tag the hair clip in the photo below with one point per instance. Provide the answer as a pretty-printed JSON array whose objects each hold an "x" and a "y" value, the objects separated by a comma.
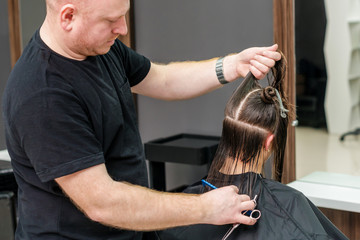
[{"x": 283, "y": 110}]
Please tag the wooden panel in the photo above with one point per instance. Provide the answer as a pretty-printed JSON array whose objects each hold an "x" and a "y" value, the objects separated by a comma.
[
  {"x": 14, "y": 30},
  {"x": 347, "y": 222},
  {"x": 283, "y": 11}
]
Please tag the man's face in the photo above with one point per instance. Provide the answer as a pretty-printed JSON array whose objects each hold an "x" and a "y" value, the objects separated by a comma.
[{"x": 98, "y": 25}]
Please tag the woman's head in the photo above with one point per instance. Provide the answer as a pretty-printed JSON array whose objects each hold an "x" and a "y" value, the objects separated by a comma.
[{"x": 255, "y": 126}]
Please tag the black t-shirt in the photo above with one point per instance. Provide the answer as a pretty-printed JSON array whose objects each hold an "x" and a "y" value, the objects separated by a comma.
[{"x": 62, "y": 116}]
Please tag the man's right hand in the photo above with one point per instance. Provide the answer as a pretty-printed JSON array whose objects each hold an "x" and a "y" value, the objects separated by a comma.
[
  {"x": 225, "y": 206},
  {"x": 127, "y": 206}
]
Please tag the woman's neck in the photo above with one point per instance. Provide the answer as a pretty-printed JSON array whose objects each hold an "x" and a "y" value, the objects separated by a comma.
[{"x": 233, "y": 167}]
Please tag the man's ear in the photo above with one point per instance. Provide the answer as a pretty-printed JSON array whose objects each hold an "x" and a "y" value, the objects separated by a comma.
[
  {"x": 268, "y": 141},
  {"x": 67, "y": 16}
]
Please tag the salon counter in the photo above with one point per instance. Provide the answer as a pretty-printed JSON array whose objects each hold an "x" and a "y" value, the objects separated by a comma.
[
  {"x": 331, "y": 190},
  {"x": 4, "y": 155},
  {"x": 337, "y": 196}
]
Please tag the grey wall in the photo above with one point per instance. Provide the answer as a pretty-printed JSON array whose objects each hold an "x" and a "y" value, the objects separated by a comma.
[
  {"x": 32, "y": 13},
  {"x": 5, "y": 60},
  {"x": 168, "y": 30}
]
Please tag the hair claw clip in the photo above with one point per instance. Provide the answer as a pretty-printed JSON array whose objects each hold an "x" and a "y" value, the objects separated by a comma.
[{"x": 283, "y": 110}]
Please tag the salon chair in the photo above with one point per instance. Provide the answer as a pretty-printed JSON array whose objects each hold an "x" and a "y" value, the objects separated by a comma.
[{"x": 355, "y": 132}]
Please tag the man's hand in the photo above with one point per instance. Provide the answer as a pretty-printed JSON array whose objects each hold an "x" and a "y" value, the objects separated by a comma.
[
  {"x": 225, "y": 206},
  {"x": 258, "y": 60}
]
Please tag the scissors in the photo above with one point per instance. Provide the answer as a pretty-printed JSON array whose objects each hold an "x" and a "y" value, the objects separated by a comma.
[{"x": 253, "y": 214}]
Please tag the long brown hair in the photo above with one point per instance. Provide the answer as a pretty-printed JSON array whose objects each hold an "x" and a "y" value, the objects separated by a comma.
[{"x": 251, "y": 115}]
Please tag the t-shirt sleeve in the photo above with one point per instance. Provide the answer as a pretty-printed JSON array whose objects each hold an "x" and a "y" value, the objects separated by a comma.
[
  {"x": 136, "y": 65},
  {"x": 56, "y": 134}
]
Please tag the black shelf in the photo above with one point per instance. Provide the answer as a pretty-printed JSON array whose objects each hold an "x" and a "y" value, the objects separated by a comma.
[{"x": 182, "y": 148}]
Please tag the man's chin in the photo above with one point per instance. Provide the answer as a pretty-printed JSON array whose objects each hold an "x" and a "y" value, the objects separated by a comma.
[{"x": 101, "y": 51}]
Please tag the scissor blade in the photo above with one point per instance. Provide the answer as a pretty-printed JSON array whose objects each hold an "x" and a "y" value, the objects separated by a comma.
[{"x": 230, "y": 231}]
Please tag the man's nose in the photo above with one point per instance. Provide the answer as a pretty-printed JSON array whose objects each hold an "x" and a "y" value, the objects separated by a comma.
[{"x": 120, "y": 27}]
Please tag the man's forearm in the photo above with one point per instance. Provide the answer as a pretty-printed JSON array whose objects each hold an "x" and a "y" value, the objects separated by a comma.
[
  {"x": 138, "y": 208},
  {"x": 127, "y": 206},
  {"x": 184, "y": 80},
  {"x": 191, "y": 79},
  {"x": 179, "y": 80}
]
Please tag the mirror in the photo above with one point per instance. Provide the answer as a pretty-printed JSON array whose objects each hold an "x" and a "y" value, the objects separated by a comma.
[
  {"x": 320, "y": 33},
  {"x": 327, "y": 40}
]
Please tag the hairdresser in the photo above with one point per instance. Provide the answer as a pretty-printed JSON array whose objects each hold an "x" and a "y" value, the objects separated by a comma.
[{"x": 72, "y": 135}]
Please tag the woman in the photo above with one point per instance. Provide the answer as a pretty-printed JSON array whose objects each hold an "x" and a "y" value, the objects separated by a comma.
[{"x": 254, "y": 129}]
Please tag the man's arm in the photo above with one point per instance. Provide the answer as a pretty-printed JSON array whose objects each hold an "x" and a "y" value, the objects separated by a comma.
[
  {"x": 127, "y": 206},
  {"x": 184, "y": 80}
]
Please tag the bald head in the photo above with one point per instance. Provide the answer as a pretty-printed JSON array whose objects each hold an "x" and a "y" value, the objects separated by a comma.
[
  {"x": 81, "y": 28},
  {"x": 55, "y": 5}
]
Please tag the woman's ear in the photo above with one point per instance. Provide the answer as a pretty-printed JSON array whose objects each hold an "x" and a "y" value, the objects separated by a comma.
[
  {"x": 268, "y": 141},
  {"x": 67, "y": 17}
]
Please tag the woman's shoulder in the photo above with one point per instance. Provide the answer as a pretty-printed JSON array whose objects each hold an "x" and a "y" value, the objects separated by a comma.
[
  {"x": 290, "y": 200},
  {"x": 280, "y": 189}
]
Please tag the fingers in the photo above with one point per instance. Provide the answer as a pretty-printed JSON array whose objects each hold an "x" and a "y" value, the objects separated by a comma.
[
  {"x": 245, "y": 206},
  {"x": 266, "y": 61},
  {"x": 226, "y": 206},
  {"x": 258, "y": 60},
  {"x": 274, "y": 47},
  {"x": 244, "y": 198},
  {"x": 236, "y": 189},
  {"x": 272, "y": 55},
  {"x": 246, "y": 220},
  {"x": 260, "y": 65},
  {"x": 258, "y": 74}
]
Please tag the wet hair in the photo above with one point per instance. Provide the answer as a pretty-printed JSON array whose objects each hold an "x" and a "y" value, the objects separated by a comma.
[{"x": 252, "y": 114}]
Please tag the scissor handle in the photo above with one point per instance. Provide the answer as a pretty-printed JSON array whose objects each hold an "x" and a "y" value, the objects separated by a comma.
[{"x": 255, "y": 214}]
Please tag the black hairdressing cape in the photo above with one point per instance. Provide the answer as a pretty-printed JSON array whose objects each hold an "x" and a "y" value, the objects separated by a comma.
[{"x": 285, "y": 214}]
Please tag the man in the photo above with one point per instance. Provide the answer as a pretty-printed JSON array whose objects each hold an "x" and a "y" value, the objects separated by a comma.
[{"x": 71, "y": 128}]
